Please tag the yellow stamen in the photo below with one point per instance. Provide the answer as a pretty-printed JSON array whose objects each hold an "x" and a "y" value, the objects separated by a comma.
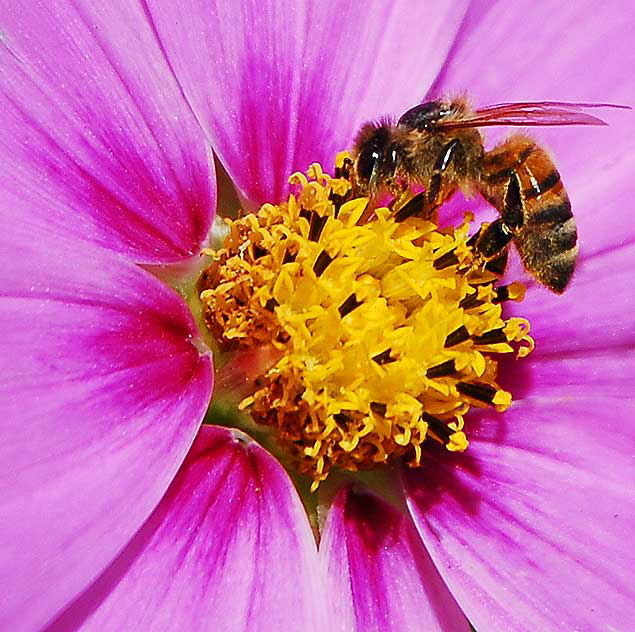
[{"x": 388, "y": 332}]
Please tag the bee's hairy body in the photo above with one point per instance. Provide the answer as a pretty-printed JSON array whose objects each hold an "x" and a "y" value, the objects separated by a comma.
[{"x": 435, "y": 145}]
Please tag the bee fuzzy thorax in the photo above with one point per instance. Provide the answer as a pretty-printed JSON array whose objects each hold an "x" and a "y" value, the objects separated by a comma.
[{"x": 387, "y": 332}]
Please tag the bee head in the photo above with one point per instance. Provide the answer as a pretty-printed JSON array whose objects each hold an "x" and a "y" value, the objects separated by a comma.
[{"x": 375, "y": 155}]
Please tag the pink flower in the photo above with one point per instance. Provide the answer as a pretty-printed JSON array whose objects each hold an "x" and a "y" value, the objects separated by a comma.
[{"x": 118, "y": 510}]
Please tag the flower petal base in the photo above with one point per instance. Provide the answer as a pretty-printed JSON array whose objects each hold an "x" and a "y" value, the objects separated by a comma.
[{"x": 387, "y": 331}]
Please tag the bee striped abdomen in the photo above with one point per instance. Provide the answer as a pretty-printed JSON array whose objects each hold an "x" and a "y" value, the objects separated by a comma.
[
  {"x": 547, "y": 241},
  {"x": 538, "y": 187}
]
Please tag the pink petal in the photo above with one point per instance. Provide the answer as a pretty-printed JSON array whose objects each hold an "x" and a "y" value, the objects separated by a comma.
[
  {"x": 96, "y": 140},
  {"x": 538, "y": 49},
  {"x": 596, "y": 312},
  {"x": 101, "y": 395},
  {"x": 532, "y": 528},
  {"x": 589, "y": 375},
  {"x": 379, "y": 575},
  {"x": 228, "y": 548},
  {"x": 280, "y": 85}
]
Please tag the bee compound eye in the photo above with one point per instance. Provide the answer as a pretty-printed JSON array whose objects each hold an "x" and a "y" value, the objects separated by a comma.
[{"x": 366, "y": 163}]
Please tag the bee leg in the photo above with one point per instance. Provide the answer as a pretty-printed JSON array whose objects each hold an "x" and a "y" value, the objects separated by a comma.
[
  {"x": 397, "y": 188},
  {"x": 492, "y": 242},
  {"x": 426, "y": 203},
  {"x": 407, "y": 204},
  {"x": 421, "y": 206},
  {"x": 493, "y": 239},
  {"x": 440, "y": 165},
  {"x": 439, "y": 191},
  {"x": 512, "y": 211},
  {"x": 416, "y": 205}
]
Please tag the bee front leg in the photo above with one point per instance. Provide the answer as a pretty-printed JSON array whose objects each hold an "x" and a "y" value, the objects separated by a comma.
[
  {"x": 407, "y": 204},
  {"x": 397, "y": 188},
  {"x": 426, "y": 204},
  {"x": 435, "y": 190},
  {"x": 422, "y": 205}
]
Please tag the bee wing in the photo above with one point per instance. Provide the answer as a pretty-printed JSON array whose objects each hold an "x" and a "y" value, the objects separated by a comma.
[{"x": 530, "y": 113}]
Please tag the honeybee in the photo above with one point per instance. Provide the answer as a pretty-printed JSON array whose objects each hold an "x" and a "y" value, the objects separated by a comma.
[{"x": 438, "y": 145}]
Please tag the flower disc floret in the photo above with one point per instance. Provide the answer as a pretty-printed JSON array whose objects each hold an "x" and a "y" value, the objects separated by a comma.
[{"x": 388, "y": 332}]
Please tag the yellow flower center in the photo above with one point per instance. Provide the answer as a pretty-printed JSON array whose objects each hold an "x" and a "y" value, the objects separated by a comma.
[{"x": 387, "y": 331}]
